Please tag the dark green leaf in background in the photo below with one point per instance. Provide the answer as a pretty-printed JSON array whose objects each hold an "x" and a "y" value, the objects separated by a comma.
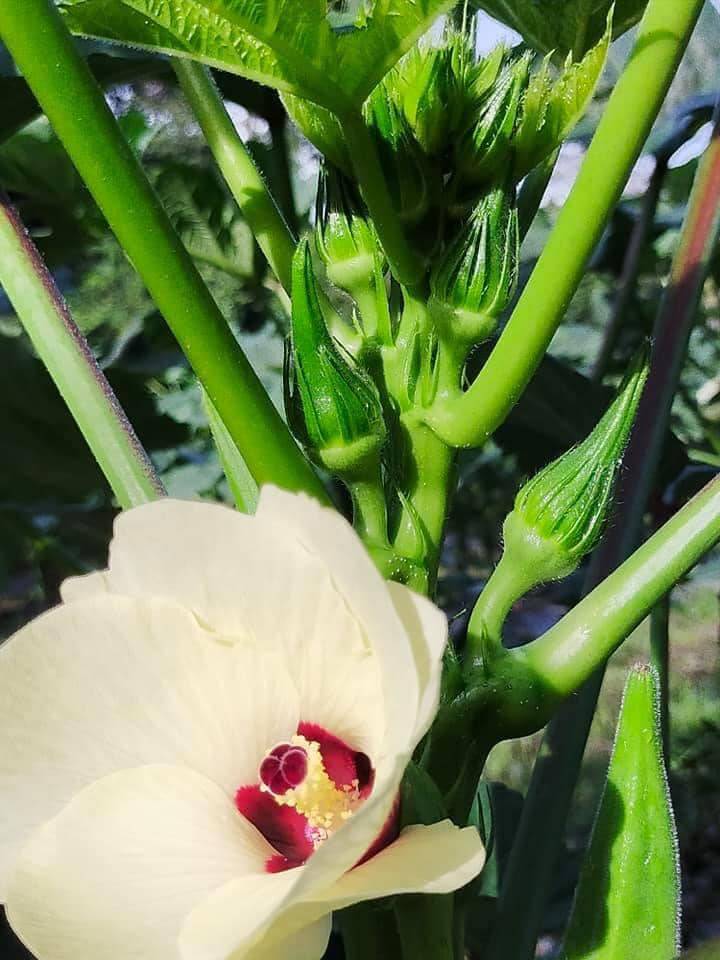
[{"x": 563, "y": 26}]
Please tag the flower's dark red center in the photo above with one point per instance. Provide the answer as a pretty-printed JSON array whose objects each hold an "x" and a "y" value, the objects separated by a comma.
[{"x": 308, "y": 787}]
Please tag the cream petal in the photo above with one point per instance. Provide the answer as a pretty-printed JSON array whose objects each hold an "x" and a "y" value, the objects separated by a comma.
[
  {"x": 237, "y": 919},
  {"x": 424, "y": 859},
  {"x": 117, "y": 871},
  {"x": 325, "y": 534},
  {"x": 427, "y": 628},
  {"x": 83, "y": 588},
  {"x": 239, "y": 573},
  {"x": 101, "y": 685},
  {"x": 307, "y": 943}
]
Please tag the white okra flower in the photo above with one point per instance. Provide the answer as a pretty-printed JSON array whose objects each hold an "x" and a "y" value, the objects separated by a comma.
[{"x": 201, "y": 748}]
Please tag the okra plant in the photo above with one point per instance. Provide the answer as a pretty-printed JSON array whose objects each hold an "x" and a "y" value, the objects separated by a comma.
[{"x": 409, "y": 341}]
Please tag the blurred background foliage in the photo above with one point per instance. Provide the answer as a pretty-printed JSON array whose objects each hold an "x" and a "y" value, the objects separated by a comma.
[{"x": 56, "y": 510}]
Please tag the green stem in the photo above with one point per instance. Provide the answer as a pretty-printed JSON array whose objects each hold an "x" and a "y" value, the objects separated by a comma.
[
  {"x": 369, "y": 510},
  {"x": 405, "y": 265},
  {"x": 65, "y": 352},
  {"x": 238, "y": 168},
  {"x": 60, "y": 79},
  {"x": 469, "y": 419},
  {"x": 427, "y": 480},
  {"x": 507, "y": 583},
  {"x": 582, "y": 641},
  {"x": 372, "y": 304},
  {"x": 622, "y": 600},
  {"x": 240, "y": 480}
]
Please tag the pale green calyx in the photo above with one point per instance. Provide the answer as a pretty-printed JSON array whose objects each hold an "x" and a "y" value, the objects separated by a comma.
[
  {"x": 560, "y": 514},
  {"x": 477, "y": 275},
  {"x": 332, "y": 405},
  {"x": 344, "y": 237}
]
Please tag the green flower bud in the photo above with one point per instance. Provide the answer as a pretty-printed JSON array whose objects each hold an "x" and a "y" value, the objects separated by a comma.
[
  {"x": 321, "y": 128},
  {"x": 332, "y": 405},
  {"x": 344, "y": 238},
  {"x": 477, "y": 275},
  {"x": 407, "y": 170},
  {"x": 486, "y": 150},
  {"x": 429, "y": 104},
  {"x": 434, "y": 88},
  {"x": 560, "y": 514}
]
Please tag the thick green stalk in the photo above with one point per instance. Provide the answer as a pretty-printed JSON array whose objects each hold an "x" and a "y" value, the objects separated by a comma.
[
  {"x": 669, "y": 554},
  {"x": 469, "y": 419},
  {"x": 43, "y": 49},
  {"x": 429, "y": 465},
  {"x": 65, "y": 352},
  {"x": 406, "y": 266},
  {"x": 242, "y": 486},
  {"x": 586, "y": 636},
  {"x": 425, "y": 924},
  {"x": 369, "y": 508},
  {"x": 238, "y": 168},
  {"x": 369, "y": 933},
  {"x": 507, "y": 583}
]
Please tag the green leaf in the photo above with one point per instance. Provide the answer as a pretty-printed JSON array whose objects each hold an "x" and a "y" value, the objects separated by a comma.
[
  {"x": 240, "y": 480},
  {"x": 367, "y": 53},
  {"x": 564, "y": 26},
  {"x": 552, "y": 107},
  {"x": 286, "y": 44},
  {"x": 206, "y": 218},
  {"x": 628, "y": 899},
  {"x": 496, "y": 812}
]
